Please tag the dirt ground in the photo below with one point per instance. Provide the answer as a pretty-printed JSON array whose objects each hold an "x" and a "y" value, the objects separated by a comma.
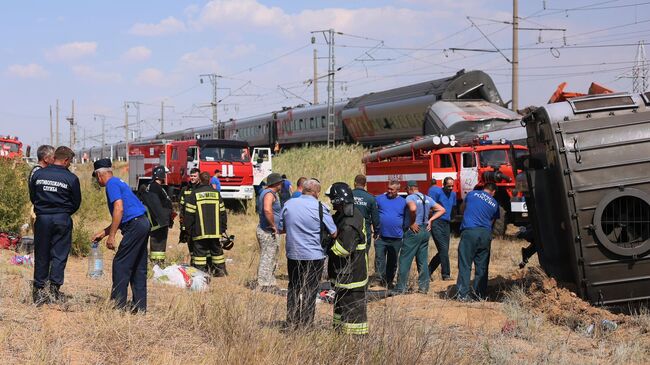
[{"x": 529, "y": 318}]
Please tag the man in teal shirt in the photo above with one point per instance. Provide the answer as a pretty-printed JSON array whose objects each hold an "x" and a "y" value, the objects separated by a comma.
[{"x": 367, "y": 205}]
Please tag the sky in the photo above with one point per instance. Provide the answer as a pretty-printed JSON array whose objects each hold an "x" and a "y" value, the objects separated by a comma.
[{"x": 103, "y": 53}]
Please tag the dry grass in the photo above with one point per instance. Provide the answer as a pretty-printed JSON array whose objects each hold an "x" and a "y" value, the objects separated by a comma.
[{"x": 233, "y": 325}]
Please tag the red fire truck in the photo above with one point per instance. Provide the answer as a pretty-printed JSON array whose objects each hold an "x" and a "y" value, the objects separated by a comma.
[
  {"x": 469, "y": 164},
  {"x": 233, "y": 158},
  {"x": 10, "y": 147}
]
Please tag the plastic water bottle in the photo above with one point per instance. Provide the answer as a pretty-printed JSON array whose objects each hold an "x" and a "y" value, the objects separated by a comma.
[{"x": 95, "y": 261}]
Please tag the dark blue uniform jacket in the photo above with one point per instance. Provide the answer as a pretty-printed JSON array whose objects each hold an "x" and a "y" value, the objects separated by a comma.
[{"x": 55, "y": 190}]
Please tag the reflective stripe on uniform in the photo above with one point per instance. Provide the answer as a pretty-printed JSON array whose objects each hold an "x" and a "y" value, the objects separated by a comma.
[
  {"x": 206, "y": 236},
  {"x": 219, "y": 259},
  {"x": 339, "y": 250},
  {"x": 361, "y": 247},
  {"x": 202, "y": 260},
  {"x": 354, "y": 285},
  {"x": 157, "y": 255},
  {"x": 355, "y": 328},
  {"x": 153, "y": 228}
]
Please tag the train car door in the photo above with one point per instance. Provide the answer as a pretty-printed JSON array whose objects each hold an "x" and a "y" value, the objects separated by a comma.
[{"x": 272, "y": 130}]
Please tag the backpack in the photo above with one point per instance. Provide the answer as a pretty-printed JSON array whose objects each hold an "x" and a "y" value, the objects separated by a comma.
[{"x": 158, "y": 215}]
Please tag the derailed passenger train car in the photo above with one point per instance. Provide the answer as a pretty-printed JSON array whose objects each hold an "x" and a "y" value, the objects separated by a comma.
[
  {"x": 589, "y": 194},
  {"x": 401, "y": 113}
]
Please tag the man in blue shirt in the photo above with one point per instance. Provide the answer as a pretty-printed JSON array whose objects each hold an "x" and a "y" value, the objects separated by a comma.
[
  {"x": 389, "y": 240},
  {"x": 56, "y": 195},
  {"x": 298, "y": 191},
  {"x": 130, "y": 262},
  {"x": 215, "y": 182},
  {"x": 301, "y": 220},
  {"x": 440, "y": 228},
  {"x": 416, "y": 237},
  {"x": 285, "y": 190},
  {"x": 480, "y": 210}
]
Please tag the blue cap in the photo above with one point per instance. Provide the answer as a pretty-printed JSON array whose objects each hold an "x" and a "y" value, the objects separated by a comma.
[
  {"x": 101, "y": 164},
  {"x": 411, "y": 183}
]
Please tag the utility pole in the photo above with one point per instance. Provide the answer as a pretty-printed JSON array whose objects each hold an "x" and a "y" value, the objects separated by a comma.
[
  {"x": 57, "y": 124},
  {"x": 72, "y": 128},
  {"x": 102, "y": 117},
  {"x": 162, "y": 117},
  {"x": 515, "y": 55},
  {"x": 126, "y": 129},
  {"x": 135, "y": 104},
  {"x": 51, "y": 128},
  {"x": 640, "y": 70},
  {"x": 331, "y": 115},
  {"x": 216, "y": 126},
  {"x": 315, "y": 77}
]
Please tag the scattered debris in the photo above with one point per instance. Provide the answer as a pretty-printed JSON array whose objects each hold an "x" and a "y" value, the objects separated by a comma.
[
  {"x": 22, "y": 260},
  {"x": 9, "y": 240},
  {"x": 182, "y": 276},
  {"x": 326, "y": 296},
  {"x": 563, "y": 307}
]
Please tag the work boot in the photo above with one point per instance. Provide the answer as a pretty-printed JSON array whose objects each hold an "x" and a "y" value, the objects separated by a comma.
[
  {"x": 218, "y": 270},
  {"x": 40, "y": 296},
  {"x": 57, "y": 296}
]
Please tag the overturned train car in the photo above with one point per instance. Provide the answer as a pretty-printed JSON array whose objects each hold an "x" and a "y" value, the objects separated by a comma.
[{"x": 589, "y": 194}]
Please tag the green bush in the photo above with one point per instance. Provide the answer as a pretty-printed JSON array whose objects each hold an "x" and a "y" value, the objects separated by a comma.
[{"x": 14, "y": 196}]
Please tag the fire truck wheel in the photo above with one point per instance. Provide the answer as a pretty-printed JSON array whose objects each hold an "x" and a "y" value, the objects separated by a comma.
[{"x": 500, "y": 225}]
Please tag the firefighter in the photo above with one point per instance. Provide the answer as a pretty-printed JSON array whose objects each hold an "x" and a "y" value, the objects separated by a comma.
[
  {"x": 56, "y": 195},
  {"x": 416, "y": 237},
  {"x": 159, "y": 212},
  {"x": 129, "y": 216},
  {"x": 480, "y": 210},
  {"x": 185, "y": 192},
  {"x": 348, "y": 263},
  {"x": 206, "y": 221}
]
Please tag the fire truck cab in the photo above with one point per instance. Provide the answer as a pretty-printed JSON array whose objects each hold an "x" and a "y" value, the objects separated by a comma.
[
  {"x": 232, "y": 158},
  {"x": 10, "y": 147},
  {"x": 470, "y": 165}
]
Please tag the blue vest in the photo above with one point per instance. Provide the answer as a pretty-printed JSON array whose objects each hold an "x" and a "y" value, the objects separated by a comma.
[{"x": 277, "y": 208}]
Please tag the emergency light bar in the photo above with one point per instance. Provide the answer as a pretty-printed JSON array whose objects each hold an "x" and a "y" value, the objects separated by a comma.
[{"x": 483, "y": 142}]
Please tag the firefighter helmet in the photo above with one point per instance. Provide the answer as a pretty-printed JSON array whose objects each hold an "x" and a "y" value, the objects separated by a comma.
[
  {"x": 159, "y": 173},
  {"x": 340, "y": 193}
]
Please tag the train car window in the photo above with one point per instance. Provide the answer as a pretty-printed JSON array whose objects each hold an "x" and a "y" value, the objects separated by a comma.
[
  {"x": 174, "y": 153},
  {"x": 301, "y": 124},
  {"x": 322, "y": 121}
]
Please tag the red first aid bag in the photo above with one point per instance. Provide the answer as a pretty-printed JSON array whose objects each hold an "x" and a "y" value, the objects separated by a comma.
[{"x": 8, "y": 241}]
